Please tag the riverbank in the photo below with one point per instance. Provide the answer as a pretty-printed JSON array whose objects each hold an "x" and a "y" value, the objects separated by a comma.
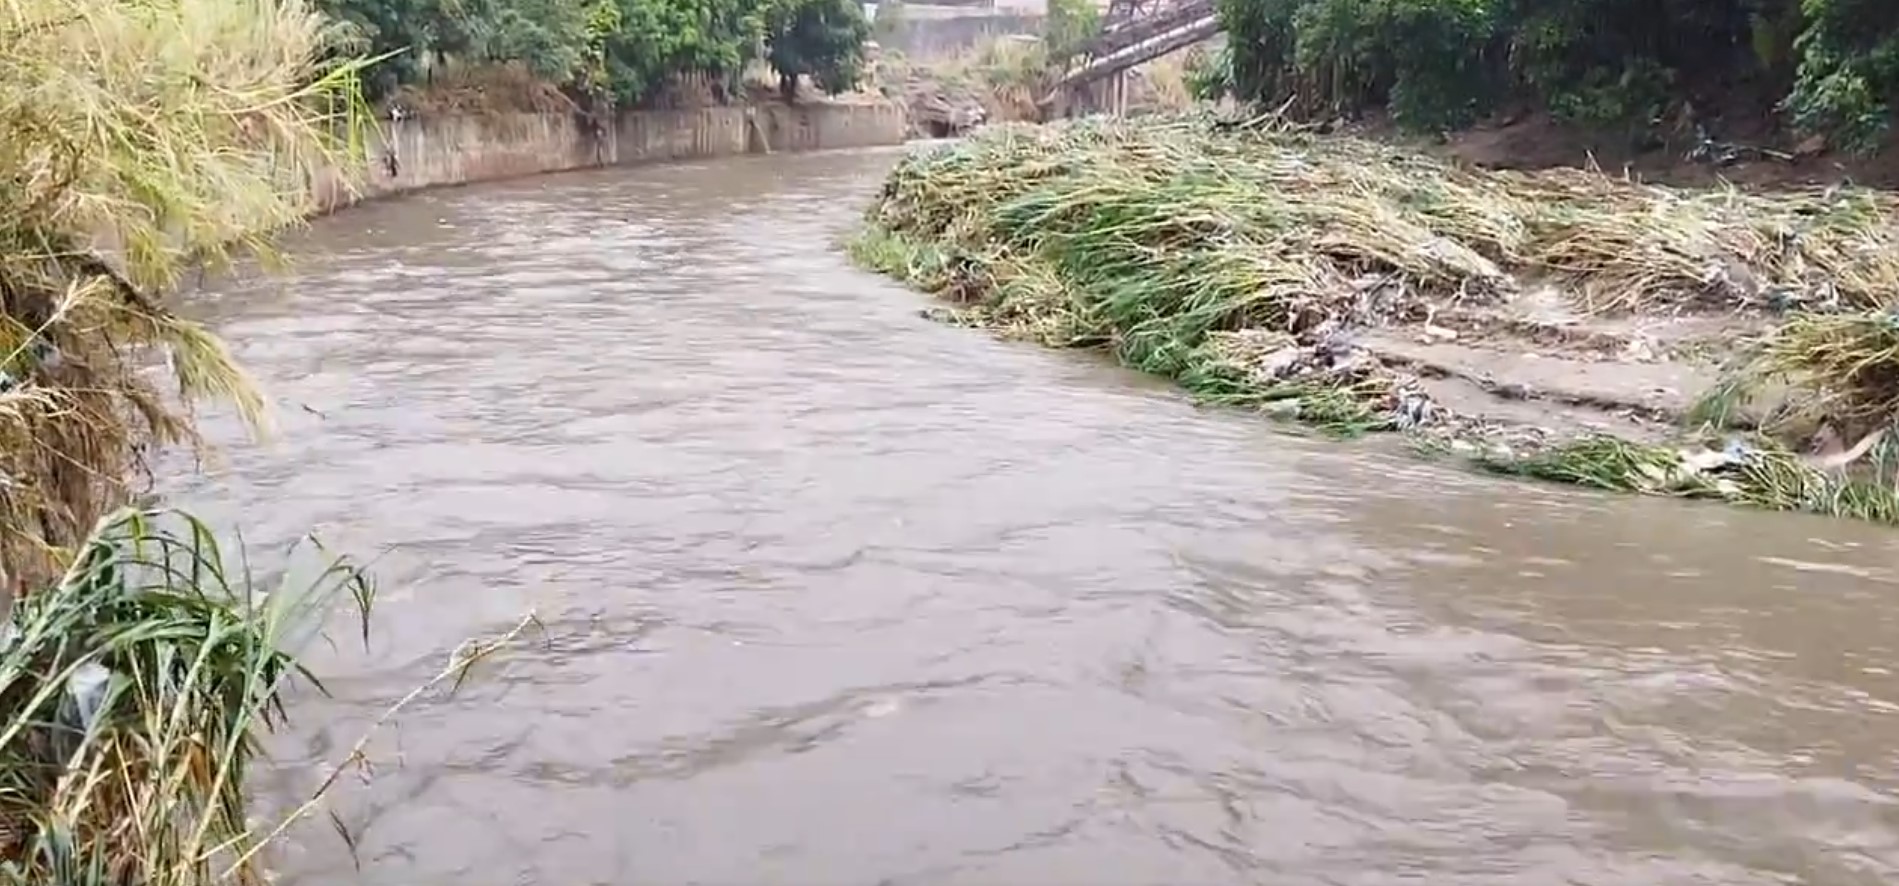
[
  {"x": 417, "y": 153},
  {"x": 1560, "y": 325}
]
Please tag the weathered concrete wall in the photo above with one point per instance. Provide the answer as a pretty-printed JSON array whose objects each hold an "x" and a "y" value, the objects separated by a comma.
[
  {"x": 412, "y": 154},
  {"x": 807, "y": 128}
]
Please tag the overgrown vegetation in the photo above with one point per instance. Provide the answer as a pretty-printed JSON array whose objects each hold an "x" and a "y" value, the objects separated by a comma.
[
  {"x": 138, "y": 665},
  {"x": 1238, "y": 259},
  {"x": 1831, "y": 65},
  {"x": 628, "y": 50},
  {"x": 820, "y": 40},
  {"x": 143, "y": 141},
  {"x": 1068, "y": 28},
  {"x": 133, "y": 690}
]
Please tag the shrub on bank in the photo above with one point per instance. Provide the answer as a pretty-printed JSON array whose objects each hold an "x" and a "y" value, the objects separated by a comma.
[
  {"x": 632, "y": 51},
  {"x": 1237, "y": 259},
  {"x": 145, "y": 141},
  {"x": 1832, "y": 64}
]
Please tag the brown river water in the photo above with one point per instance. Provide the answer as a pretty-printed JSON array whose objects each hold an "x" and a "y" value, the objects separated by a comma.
[{"x": 833, "y": 594}]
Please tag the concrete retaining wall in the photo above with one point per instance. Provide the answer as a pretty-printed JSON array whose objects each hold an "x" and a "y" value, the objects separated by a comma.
[{"x": 412, "y": 154}]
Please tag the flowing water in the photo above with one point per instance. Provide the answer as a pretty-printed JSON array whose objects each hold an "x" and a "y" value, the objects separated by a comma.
[{"x": 833, "y": 594}]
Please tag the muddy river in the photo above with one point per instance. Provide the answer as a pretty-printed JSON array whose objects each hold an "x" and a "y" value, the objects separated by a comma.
[{"x": 833, "y": 594}]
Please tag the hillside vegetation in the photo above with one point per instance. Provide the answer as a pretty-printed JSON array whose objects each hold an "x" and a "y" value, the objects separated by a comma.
[{"x": 1827, "y": 67}]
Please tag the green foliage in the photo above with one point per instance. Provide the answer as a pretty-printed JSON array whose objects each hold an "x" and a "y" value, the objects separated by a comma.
[
  {"x": 1069, "y": 27},
  {"x": 629, "y": 49},
  {"x": 549, "y": 37},
  {"x": 1425, "y": 57},
  {"x": 1832, "y": 65},
  {"x": 651, "y": 41},
  {"x": 1208, "y": 75},
  {"x": 1849, "y": 69},
  {"x": 819, "y": 39}
]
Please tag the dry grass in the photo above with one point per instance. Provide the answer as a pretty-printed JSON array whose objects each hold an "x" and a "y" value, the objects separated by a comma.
[
  {"x": 1234, "y": 257},
  {"x": 1161, "y": 86},
  {"x": 1834, "y": 371},
  {"x": 481, "y": 90},
  {"x": 1287, "y": 197},
  {"x": 141, "y": 140}
]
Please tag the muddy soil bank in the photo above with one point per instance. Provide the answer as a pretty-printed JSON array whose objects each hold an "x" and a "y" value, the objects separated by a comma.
[{"x": 1754, "y": 155}]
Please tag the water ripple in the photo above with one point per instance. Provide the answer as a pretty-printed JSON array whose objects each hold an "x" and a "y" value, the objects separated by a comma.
[{"x": 832, "y": 594}]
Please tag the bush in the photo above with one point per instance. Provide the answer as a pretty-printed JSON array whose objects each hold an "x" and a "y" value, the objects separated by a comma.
[
  {"x": 1069, "y": 27},
  {"x": 1832, "y": 65},
  {"x": 819, "y": 39},
  {"x": 630, "y": 50}
]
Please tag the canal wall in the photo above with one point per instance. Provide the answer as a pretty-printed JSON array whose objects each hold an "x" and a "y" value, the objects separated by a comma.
[{"x": 428, "y": 152}]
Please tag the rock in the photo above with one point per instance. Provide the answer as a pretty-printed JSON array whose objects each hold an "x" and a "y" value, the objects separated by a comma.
[{"x": 1811, "y": 146}]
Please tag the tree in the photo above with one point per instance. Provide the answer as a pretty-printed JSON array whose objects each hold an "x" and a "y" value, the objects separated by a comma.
[
  {"x": 1830, "y": 65},
  {"x": 820, "y": 39},
  {"x": 549, "y": 37},
  {"x": 636, "y": 46},
  {"x": 389, "y": 30},
  {"x": 1069, "y": 26},
  {"x": 413, "y": 37},
  {"x": 627, "y": 49}
]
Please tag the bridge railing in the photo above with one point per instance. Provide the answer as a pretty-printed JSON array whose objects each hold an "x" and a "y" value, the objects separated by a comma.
[{"x": 1129, "y": 42}]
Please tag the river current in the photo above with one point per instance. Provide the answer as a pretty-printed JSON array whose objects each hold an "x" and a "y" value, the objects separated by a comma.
[{"x": 833, "y": 594}]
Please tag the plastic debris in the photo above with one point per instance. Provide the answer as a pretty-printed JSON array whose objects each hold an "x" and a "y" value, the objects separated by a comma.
[
  {"x": 86, "y": 689},
  {"x": 48, "y": 357},
  {"x": 1705, "y": 461},
  {"x": 1414, "y": 409}
]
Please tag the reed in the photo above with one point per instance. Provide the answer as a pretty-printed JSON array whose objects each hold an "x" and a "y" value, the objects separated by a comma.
[
  {"x": 140, "y": 141},
  {"x": 133, "y": 690},
  {"x": 1237, "y": 257}
]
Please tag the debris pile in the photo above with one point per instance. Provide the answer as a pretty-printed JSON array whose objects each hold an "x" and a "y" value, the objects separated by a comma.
[{"x": 1244, "y": 258}]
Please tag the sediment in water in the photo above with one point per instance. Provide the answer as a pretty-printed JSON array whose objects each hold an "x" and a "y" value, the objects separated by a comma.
[{"x": 1285, "y": 272}]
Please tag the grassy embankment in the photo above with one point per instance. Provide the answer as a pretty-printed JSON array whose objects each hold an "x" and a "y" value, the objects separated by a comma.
[{"x": 1238, "y": 261}]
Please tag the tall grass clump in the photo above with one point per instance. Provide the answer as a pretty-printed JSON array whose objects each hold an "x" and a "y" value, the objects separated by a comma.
[
  {"x": 1237, "y": 258},
  {"x": 1323, "y": 212},
  {"x": 133, "y": 691},
  {"x": 139, "y": 141}
]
